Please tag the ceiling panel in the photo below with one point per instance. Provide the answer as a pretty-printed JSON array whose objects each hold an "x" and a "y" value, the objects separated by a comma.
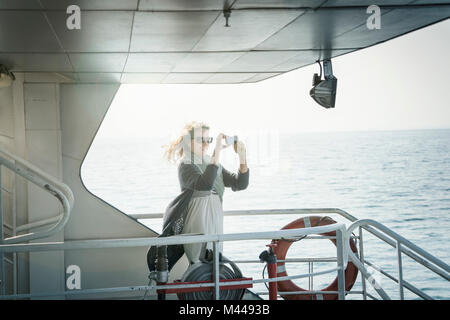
[
  {"x": 364, "y": 3},
  {"x": 258, "y": 61},
  {"x": 206, "y": 62},
  {"x": 26, "y": 31},
  {"x": 431, "y": 1},
  {"x": 36, "y": 62},
  {"x": 91, "y": 4},
  {"x": 143, "y": 77},
  {"x": 229, "y": 77},
  {"x": 169, "y": 31},
  {"x": 239, "y": 4},
  {"x": 98, "y": 62},
  {"x": 99, "y": 77},
  {"x": 181, "y": 5},
  {"x": 393, "y": 23},
  {"x": 316, "y": 29},
  {"x": 153, "y": 62},
  {"x": 262, "y": 76},
  {"x": 19, "y": 4},
  {"x": 101, "y": 31},
  {"x": 187, "y": 77},
  {"x": 51, "y": 77},
  {"x": 248, "y": 28},
  {"x": 303, "y": 58},
  {"x": 182, "y": 41}
]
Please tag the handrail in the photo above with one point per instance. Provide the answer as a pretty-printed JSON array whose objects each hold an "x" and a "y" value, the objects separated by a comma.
[
  {"x": 339, "y": 228},
  {"x": 172, "y": 240},
  {"x": 257, "y": 212},
  {"x": 45, "y": 181},
  {"x": 193, "y": 238},
  {"x": 338, "y": 211},
  {"x": 400, "y": 241}
]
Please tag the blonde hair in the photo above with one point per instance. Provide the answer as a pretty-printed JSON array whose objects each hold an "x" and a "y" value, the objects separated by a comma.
[{"x": 174, "y": 150}]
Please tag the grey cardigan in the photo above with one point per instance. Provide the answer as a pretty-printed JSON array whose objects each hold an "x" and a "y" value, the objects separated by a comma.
[{"x": 191, "y": 177}]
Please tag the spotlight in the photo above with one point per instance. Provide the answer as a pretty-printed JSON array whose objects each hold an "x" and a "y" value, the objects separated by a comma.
[{"x": 324, "y": 91}]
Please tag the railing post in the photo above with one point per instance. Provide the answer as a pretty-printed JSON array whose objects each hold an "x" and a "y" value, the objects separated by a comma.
[
  {"x": 340, "y": 242},
  {"x": 2, "y": 255},
  {"x": 400, "y": 270},
  {"x": 216, "y": 274},
  {"x": 361, "y": 256}
]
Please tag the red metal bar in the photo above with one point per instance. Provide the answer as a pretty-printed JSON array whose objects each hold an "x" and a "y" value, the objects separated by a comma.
[
  {"x": 229, "y": 287},
  {"x": 272, "y": 270}
]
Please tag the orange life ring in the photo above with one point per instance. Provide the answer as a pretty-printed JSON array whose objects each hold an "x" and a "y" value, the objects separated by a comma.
[{"x": 281, "y": 248}]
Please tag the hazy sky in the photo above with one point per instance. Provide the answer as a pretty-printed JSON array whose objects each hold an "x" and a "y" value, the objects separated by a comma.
[{"x": 400, "y": 84}]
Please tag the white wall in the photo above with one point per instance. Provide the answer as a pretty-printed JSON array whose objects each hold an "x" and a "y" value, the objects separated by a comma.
[
  {"x": 52, "y": 125},
  {"x": 43, "y": 146},
  {"x": 83, "y": 107}
]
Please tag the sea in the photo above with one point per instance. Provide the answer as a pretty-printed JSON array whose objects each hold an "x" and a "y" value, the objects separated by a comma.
[{"x": 399, "y": 178}]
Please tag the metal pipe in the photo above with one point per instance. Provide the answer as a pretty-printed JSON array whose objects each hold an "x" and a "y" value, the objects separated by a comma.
[
  {"x": 366, "y": 274},
  {"x": 37, "y": 224},
  {"x": 216, "y": 273},
  {"x": 271, "y": 261},
  {"x": 286, "y": 293},
  {"x": 340, "y": 244},
  {"x": 292, "y": 260},
  {"x": 371, "y": 296},
  {"x": 14, "y": 233},
  {"x": 7, "y": 225},
  {"x": 58, "y": 189},
  {"x": 407, "y": 285},
  {"x": 162, "y": 269},
  {"x": 399, "y": 242},
  {"x": 361, "y": 256},
  {"x": 409, "y": 253},
  {"x": 400, "y": 270},
  {"x": 258, "y": 212},
  {"x": 179, "y": 239},
  {"x": 309, "y": 280},
  {"x": 2, "y": 255},
  {"x": 157, "y": 287},
  {"x": 405, "y": 242},
  {"x": 28, "y": 170}
]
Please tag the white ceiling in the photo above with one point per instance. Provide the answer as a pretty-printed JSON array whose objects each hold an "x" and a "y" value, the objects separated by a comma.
[{"x": 179, "y": 41}]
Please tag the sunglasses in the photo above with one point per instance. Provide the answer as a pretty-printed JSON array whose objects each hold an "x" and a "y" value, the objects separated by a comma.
[{"x": 204, "y": 139}]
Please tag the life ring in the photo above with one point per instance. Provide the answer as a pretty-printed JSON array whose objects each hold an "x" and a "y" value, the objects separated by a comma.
[{"x": 281, "y": 248}]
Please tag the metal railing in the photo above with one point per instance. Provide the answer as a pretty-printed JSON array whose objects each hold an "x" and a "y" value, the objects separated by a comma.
[
  {"x": 424, "y": 258},
  {"x": 186, "y": 239},
  {"x": 380, "y": 231},
  {"x": 343, "y": 253},
  {"x": 49, "y": 184}
]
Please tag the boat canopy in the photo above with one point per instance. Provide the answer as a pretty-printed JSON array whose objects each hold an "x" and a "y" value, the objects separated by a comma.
[{"x": 197, "y": 41}]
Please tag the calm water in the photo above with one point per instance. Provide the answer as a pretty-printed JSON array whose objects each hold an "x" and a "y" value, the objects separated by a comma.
[{"x": 399, "y": 178}]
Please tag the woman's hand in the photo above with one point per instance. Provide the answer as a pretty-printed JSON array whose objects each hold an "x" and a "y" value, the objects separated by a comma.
[
  {"x": 240, "y": 149},
  {"x": 219, "y": 146}
]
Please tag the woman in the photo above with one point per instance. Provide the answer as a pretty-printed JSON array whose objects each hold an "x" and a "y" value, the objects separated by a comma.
[{"x": 198, "y": 209}]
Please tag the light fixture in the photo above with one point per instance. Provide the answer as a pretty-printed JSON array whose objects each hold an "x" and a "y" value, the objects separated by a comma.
[
  {"x": 324, "y": 91},
  {"x": 6, "y": 77}
]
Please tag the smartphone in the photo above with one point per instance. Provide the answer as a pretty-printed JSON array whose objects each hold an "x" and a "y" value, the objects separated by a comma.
[{"x": 231, "y": 139}]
